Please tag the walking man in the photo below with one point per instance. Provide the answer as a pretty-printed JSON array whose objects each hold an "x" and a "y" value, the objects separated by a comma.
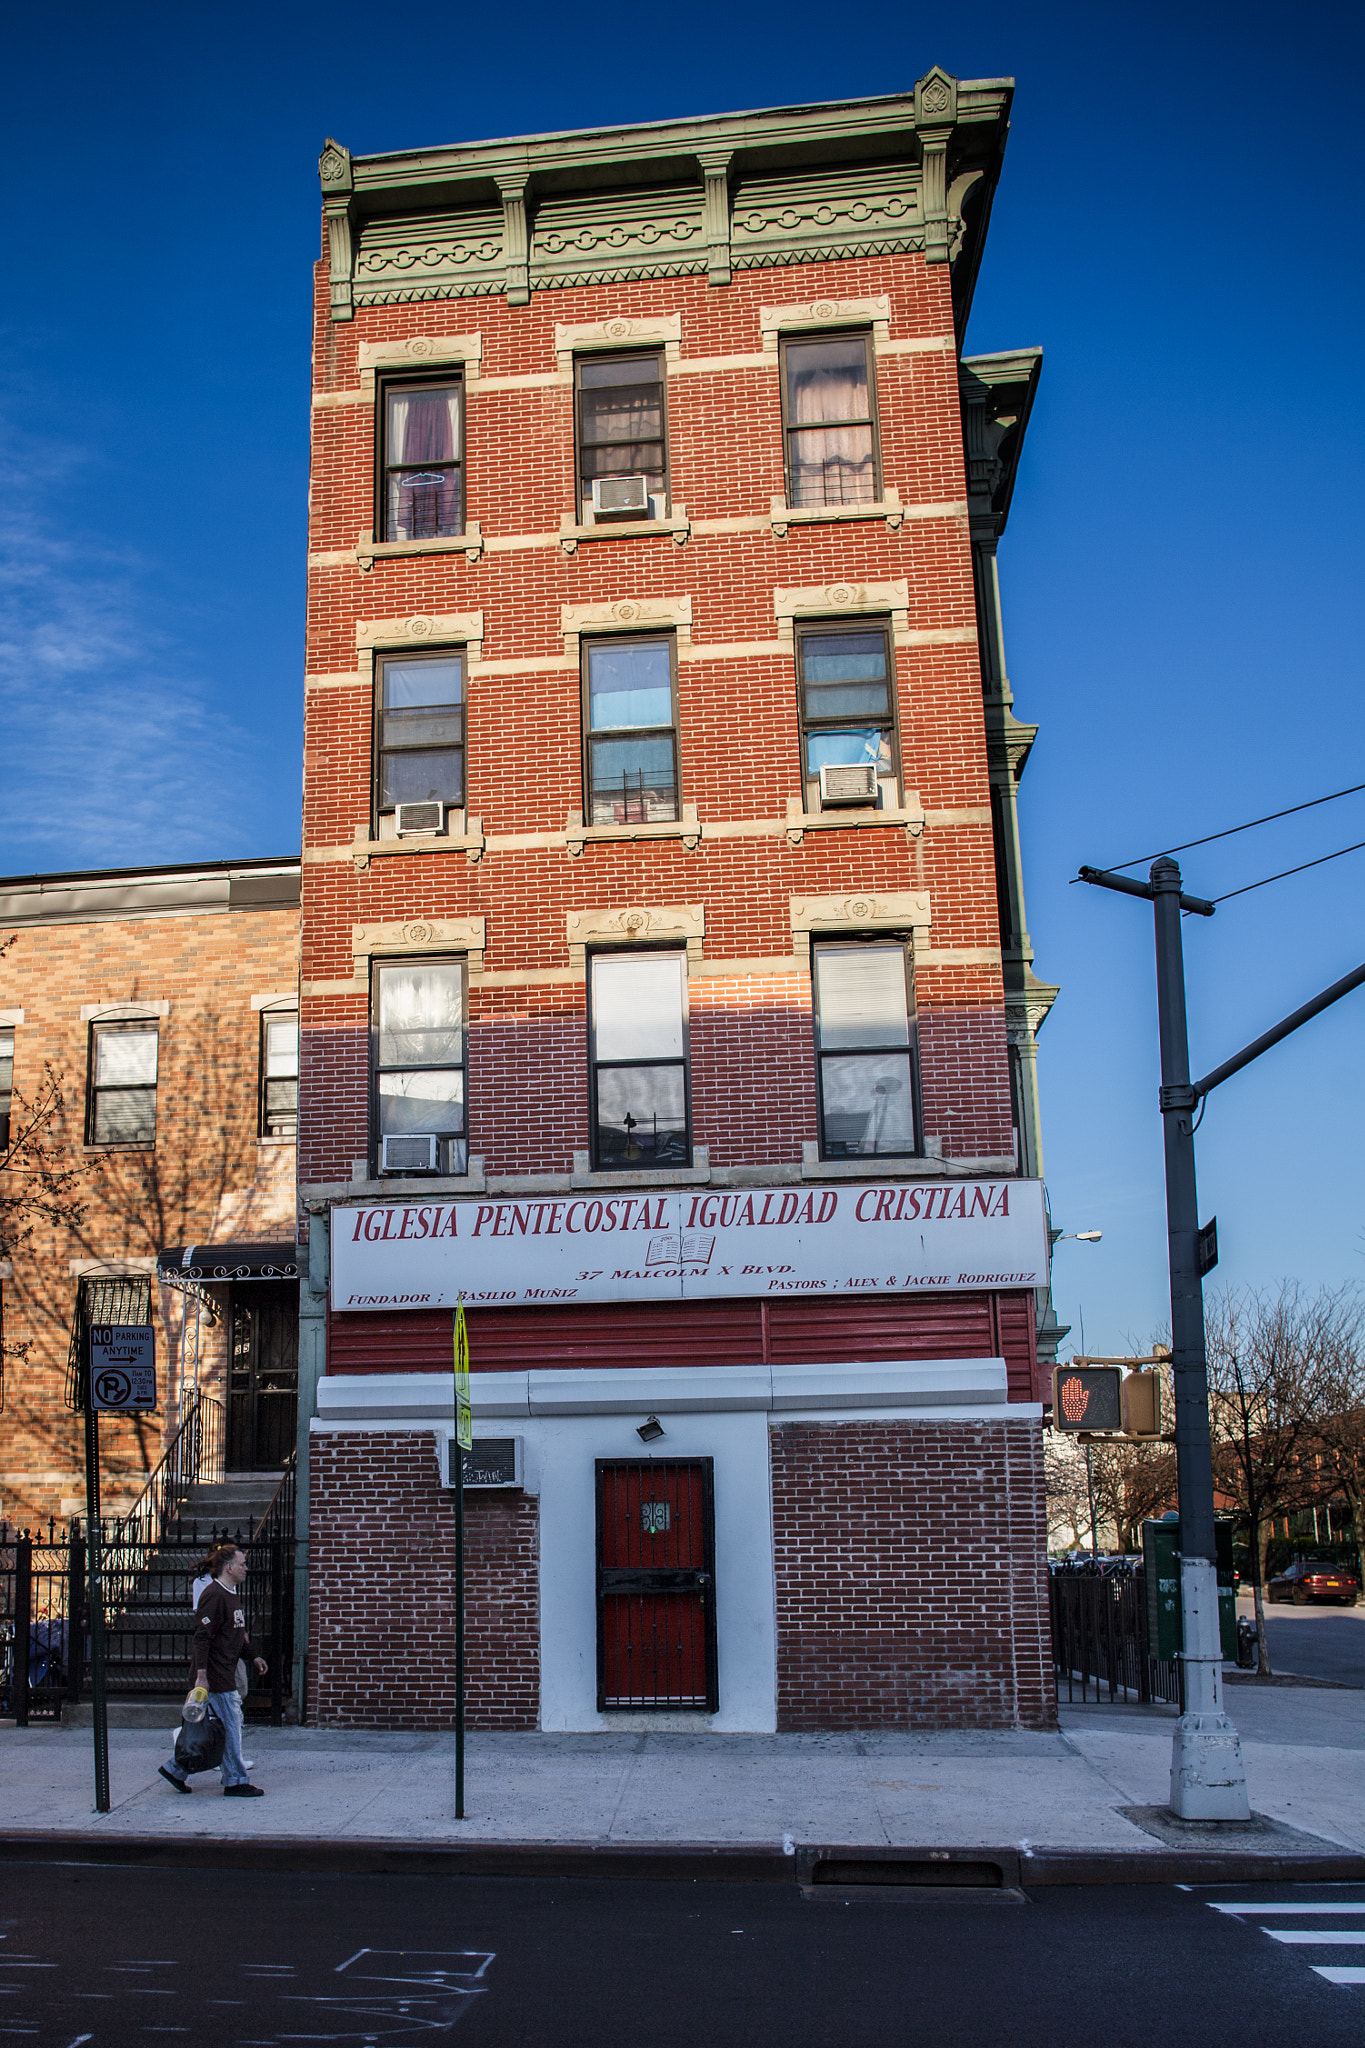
[{"x": 220, "y": 1638}]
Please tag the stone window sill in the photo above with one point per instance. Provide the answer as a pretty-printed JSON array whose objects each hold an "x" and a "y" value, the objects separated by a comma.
[
  {"x": 368, "y": 551},
  {"x": 929, "y": 1165},
  {"x": 853, "y": 817},
  {"x": 577, "y": 835},
  {"x": 276, "y": 1138},
  {"x": 887, "y": 507},
  {"x": 471, "y": 1183},
  {"x": 92, "y": 1149},
  {"x": 677, "y": 524},
  {"x": 469, "y": 841},
  {"x": 695, "y": 1176}
]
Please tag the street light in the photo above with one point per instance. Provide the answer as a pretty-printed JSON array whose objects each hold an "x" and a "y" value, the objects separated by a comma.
[{"x": 1076, "y": 1236}]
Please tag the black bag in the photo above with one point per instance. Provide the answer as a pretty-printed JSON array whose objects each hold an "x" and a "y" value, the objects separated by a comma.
[{"x": 199, "y": 1744}]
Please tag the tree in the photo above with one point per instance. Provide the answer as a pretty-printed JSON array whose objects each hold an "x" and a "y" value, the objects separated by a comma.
[
  {"x": 1266, "y": 1358},
  {"x": 1067, "y": 1490},
  {"x": 1339, "y": 1419}
]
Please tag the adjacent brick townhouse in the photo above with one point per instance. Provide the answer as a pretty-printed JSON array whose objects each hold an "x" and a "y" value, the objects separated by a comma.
[
  {"x": 666, "y": 990},
  {"x": 149, "y": 1042}
]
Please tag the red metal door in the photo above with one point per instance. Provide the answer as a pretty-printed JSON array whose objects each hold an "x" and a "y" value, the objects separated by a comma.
[{"x": 656, "y": 1613}]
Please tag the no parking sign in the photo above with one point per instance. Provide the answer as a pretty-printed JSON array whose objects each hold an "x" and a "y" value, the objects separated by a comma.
[{"x": 122, "y": 1367}]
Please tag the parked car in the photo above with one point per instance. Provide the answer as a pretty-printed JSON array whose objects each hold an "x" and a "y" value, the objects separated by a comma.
[{"x": 1314, "y": 1578}]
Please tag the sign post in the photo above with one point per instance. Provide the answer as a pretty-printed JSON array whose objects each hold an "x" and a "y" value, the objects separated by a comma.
[
  {"x": 464, "y": 1441},
  {"x": 119, "y": 1369}
]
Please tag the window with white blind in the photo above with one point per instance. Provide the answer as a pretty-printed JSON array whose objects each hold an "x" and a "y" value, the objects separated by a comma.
[
  {"x": 122, "y": 1092},
  {"x": 865, "y": 1050},
  {"x": 279, "y": 1105},
  {"x": 638, "y": 1061},
  {"x": 417, "y": 1037}
]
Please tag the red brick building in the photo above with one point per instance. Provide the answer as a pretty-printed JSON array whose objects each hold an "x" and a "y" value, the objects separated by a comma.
[{"x": 666, "y": 991}]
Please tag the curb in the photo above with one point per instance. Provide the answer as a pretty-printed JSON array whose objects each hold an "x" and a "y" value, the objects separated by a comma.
[{"x": 845, "y": 1865}]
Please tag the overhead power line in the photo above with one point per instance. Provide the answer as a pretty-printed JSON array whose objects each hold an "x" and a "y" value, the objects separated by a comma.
[
  {"x": 1284, "y": 872},
  {"x": 1117, "y": 866}
]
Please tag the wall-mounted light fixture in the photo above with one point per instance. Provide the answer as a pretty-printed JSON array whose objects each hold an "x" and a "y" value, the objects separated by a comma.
[{"x": 650, "y": 1430}]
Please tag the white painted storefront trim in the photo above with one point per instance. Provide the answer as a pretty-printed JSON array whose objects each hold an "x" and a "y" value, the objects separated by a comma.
[{"x": 569, "y": 1419}]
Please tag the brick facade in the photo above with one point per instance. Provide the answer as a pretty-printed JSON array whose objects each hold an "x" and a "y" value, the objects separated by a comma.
[
  {"x": 208, "y": 1176},
  {"x": 911, "y": 1587},
  {"x": 382, "y": 1613}
]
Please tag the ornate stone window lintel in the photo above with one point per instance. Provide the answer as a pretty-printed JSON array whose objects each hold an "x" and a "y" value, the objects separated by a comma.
[
  {"x": 627, "y": 615},
  {"x": 775, "y": 321},
  {"x": 421, "y": 629},
  {"x": 420, "y": 352},
  {"x": 418, "y": 935},
  {"x": 836, "y": 600},
  {"x": 659, "y": 330},
  {"x": 637, "y": 925},
  {"x": 896, "y": 910}
]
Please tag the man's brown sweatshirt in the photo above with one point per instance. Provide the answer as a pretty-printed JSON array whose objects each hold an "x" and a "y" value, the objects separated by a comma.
[{"x": 220, "y": 1636}]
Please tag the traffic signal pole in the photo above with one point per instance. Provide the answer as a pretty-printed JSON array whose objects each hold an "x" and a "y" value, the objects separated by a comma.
[{"x": 1208, "y": 1780}]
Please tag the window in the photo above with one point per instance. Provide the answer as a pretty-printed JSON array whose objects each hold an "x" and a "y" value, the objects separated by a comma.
[
  {"x": 847, "y": 706},
  {"x": 638, "y": 1051},
  {"x": 6, "y": 1084},
  {"x": 865, "y": 1050},
  {"x": 829, "y": 418},
  {"x": 421, "y": 730},
  {"x": 421, "y": 461},
  {"x": 418, "y": 1037},
  {"x": 122, "y": 1084},
  {"x": 621, "y": 431},
  {"x": 630, "y": 744},
  {"x": 279, "y": 1073}
]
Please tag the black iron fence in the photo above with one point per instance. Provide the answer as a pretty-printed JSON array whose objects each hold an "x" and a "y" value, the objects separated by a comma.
[
  {"x": 1099, "y": 1639},
  {"x": 44, "y": 1605}
]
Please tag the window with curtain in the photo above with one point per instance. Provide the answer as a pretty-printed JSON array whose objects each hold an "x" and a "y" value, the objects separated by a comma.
[
  {"x": 638, "y": 1061},
  {"x": 830, "y": 423},
  {"x": 418, "y": 1040},
  {"x": 865, "y": 1049},
  {"x": 629, "y": 726},
  {"x": 421, "y": 730},
  {"x": 845, "y": 682},
  {"x": 279, "y": 1105},
  {"x": 621, "y": 425},
  {"x": 123, "y": 1062},
  {"x": 423, "y": 432}
]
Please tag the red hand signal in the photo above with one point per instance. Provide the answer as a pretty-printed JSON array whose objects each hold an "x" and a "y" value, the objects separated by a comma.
[{"x": 1075, "y": 1399}]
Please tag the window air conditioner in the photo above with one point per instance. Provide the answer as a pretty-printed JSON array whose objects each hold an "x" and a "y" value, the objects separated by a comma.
[
  {"x": 419, "y": 818},
  {"x": 414, "y": 1152},
  {"x": 621, "y": 494},
  {"x": 854, "y": 782}
]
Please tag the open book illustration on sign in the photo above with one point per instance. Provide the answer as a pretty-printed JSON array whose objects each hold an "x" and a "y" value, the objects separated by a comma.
[{"x": 689, "y": 1249}]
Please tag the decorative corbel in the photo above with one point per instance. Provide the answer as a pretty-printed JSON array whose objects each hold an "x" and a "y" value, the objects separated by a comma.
[
  {"x": 338, "y": 200},
  {"x": 715, "y": 170},
  {"x": 957, "y": 199},
  {"x": 935, "y": 115},
  {"x": 516, "y": 242}
]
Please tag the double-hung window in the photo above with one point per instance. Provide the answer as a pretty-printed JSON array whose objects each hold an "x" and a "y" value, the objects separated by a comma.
[
  {"x": 420, "y": 736},
  {"x": 830, "y": 421},
  {"x": 848, "y": 718},
  {"x": 630, "y": 747},
  {"x": 122, "y": 1099},
  {"x": 622, "y": 444},
  {"x": 279, "y": 1108},
  {"x": 418, "y": 1066},
  {"x": 637, "y": 1031},
  {"x": 421, "y": 461},
  {"x": 865, "y": 1050},
  {"x": 6, "y": 1083}
]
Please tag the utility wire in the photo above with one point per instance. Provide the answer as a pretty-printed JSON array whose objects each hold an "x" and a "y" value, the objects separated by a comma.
[
  {"x": 1117, "y": 866},
  {"x": 1290, "y": 871}
]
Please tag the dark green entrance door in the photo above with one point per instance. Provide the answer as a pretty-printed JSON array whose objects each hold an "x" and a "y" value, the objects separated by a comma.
[{"x": 263, "y": 1375}]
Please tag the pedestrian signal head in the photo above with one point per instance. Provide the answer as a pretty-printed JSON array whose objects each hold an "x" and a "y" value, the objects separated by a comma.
[{"x": 1086, "y": 1397}]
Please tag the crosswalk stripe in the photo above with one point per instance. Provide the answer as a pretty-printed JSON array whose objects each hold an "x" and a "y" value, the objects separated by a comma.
[
  {"x": 1328, "y": 1937},
  {"x": 1282, "y": 1906},
  {"x": 1344, "y": 1974}
]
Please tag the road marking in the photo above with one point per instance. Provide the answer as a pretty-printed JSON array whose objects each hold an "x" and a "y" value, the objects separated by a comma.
[
  {"x": 1348, "y": 1974},
  {"x": 1329, "y": 1937},
  {"x": 1281, "y": 1906}
]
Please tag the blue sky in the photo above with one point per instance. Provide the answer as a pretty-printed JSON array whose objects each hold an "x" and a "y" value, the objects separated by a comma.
[{"x": 1178, "y": 225}]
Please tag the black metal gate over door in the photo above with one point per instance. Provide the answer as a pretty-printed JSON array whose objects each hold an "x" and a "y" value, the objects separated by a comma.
[{"x": 263, "y": 1375}]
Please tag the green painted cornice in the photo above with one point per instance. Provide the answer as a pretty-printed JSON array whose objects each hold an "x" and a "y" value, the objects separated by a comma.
[
  {"x": 908, "y": 172},
  {"x": 997, "y": 398}
]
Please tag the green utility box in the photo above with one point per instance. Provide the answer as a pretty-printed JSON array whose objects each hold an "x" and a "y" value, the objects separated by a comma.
[{"x": 1161, "y": 1569}]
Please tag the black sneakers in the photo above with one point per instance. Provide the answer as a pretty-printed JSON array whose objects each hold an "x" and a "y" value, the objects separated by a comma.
[
  {"x": 242, "y": 1791},
  {"x": 177, "y": 1784}
]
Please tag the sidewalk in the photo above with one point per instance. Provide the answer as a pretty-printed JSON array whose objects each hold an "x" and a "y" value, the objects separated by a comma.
[{"x": 1064, "y": 1792}]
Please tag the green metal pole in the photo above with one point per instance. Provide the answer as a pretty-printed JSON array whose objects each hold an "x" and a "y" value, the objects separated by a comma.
[
  {"x": 95, "y": 1551},
  {"x": 457, "y": 1453}
]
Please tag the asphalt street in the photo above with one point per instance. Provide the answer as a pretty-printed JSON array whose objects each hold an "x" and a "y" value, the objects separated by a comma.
[
  {"x": 1316, "y": 1642},
  {"x": 130, "y": 1957}
]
